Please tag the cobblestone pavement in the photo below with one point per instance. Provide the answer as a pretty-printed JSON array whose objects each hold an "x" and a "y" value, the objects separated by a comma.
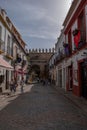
[
  {"x": 41, "y": 108},
  {"x": 9, "y": 96}
]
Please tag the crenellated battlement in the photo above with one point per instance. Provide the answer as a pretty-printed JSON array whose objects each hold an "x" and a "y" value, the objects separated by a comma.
[{"x": 42, "y": 50}]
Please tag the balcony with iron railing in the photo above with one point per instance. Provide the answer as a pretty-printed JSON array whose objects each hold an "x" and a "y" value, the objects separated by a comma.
[
  {"x": 19, "y": 63},
  {"x": 79, "y": 37},
  {"x": 2, "y": 46},
  {"x": 60, "y": 56},
  {"x": 82, "y": 41},
  {"x": 67, "y": 50}
]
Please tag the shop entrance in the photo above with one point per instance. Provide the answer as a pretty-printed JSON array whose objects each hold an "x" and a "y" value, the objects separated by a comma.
[
  {"x": 70, "y": 77},
  {"x": 7, "y": 79},
  {"x": 60, "y": 78},
  {"x": 84, "y": 79}
]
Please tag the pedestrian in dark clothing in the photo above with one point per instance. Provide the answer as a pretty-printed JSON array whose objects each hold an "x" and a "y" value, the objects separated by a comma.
[
  {"x": 15, "y": 86},
  {"x": 12, "y": 84},
  {"x": 22, "y": 85},
  {"x": 43, "y": 81}
]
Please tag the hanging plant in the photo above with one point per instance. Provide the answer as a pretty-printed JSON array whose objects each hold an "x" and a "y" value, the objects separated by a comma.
[
  {"x": 75, "y": 32},
  {"x": 65, "y": 44}
]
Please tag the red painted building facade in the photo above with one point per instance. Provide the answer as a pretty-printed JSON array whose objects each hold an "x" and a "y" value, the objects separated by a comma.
[{"x": 75, "y": 31}]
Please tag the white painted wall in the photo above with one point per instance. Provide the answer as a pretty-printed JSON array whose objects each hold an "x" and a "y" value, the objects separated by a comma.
[
  {"x": 6, "y": 39},
  {"x": 3, "y": 31},
  {"x": 73, "y": 28}
]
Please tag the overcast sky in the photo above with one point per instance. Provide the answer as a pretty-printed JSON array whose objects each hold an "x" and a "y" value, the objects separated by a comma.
[{"x": 38, "y": 21}]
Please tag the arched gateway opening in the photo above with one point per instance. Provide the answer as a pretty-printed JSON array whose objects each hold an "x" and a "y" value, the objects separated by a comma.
[
  {"x": 34, "y": 73},
  {"x": 39, "y": 63},
  {"x": 36, "y": 70}
]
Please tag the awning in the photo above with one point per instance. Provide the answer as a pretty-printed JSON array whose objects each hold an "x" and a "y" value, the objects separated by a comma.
[{"x": 5, "y": 64}]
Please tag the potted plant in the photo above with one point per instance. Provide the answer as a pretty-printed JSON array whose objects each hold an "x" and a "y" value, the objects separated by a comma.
[
  {"x": 75, "y": 32},
  {"x": 65, "y": 44}
]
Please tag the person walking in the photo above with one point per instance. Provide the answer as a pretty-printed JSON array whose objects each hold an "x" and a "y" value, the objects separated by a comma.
[
  {"x": 22, "y": 85},
  {"x": 15, "y": 85},
  {"x": 12, "y": 85}
]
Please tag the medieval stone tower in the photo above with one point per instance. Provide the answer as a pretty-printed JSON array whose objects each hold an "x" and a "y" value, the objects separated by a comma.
[{"x": 38, "y": 59}]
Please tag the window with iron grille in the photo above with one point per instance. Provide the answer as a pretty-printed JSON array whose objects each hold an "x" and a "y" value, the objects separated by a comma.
[
  {"x": 8, "y": 45},
  {"x": 0, "y": 32},
  {"x": 82, "y": 25},
  {"x": 70, "y": 41}
]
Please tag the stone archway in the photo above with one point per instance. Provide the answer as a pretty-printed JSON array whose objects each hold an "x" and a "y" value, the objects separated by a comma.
[
  {"x": 39, "y": 63},
  {"x": 35, "y": 69}
]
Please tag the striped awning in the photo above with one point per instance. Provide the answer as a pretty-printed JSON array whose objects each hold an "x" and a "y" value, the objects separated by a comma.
[{"x": 5, "y": 64}]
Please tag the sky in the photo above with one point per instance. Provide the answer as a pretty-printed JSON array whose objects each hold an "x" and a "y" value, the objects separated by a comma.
[{"x": 38, "y": 21}]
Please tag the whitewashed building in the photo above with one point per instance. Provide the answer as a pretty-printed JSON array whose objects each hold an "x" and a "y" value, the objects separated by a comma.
[
  {"x": 12, "y": 49},
  {"x": 5, "y": 50},
  {"x": 72, "y": 69}
]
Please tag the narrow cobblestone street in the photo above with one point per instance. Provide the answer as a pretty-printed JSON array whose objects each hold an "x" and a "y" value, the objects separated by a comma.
[{"x": 42, "y": 108}]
